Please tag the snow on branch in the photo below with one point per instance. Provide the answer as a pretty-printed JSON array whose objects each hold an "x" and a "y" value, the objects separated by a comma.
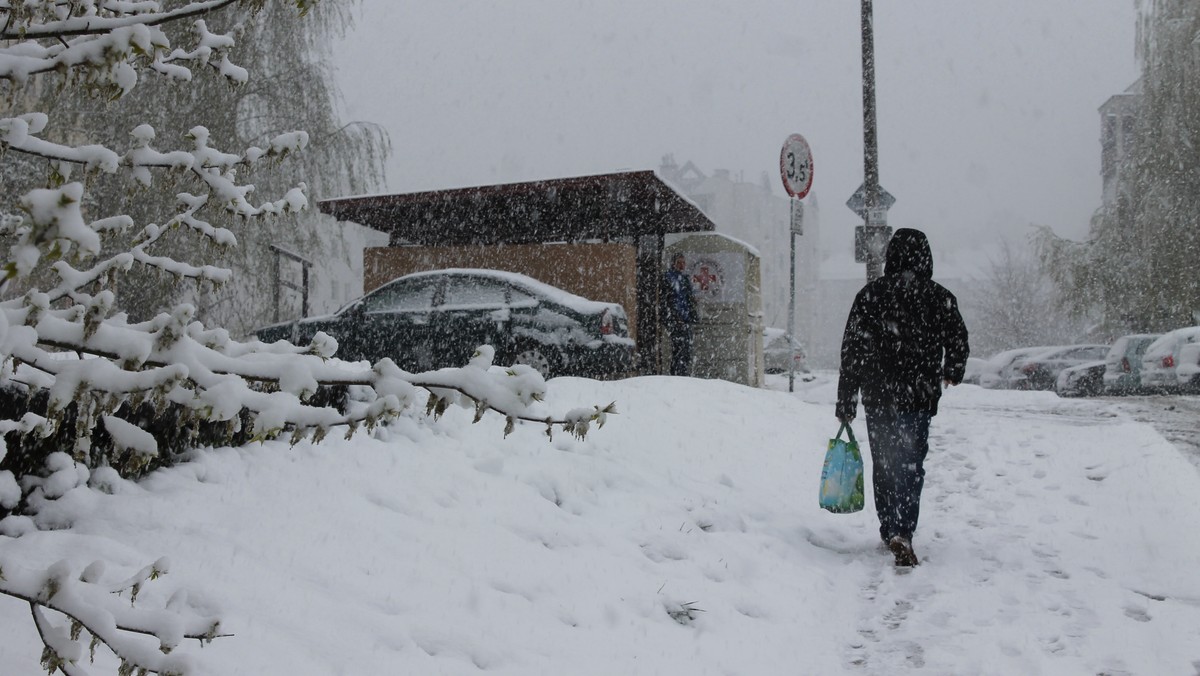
[
  {"x": 96, "y": 614},
  {"x": 109, "y": 41},
  {"x": 103, "y": 393}
]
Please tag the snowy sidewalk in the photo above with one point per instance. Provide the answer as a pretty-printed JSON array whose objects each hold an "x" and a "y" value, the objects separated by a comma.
[
  {"x": 1056, "y": 540},
  {"x": 1058, "y": 537}
]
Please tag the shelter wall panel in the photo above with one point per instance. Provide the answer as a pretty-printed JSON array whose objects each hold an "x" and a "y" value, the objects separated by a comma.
[{"x": 596, "y": 270}]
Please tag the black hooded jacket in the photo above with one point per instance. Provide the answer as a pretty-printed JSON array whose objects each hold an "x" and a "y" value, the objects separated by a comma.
[{"x": 904, "y": 335}]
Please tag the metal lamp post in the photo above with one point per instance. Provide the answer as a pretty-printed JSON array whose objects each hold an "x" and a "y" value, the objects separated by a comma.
[{"x": 871, "y": 201}]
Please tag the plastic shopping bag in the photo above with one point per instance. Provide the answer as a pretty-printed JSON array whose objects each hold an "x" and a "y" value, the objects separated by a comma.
[{"x": 842, "y": 476}]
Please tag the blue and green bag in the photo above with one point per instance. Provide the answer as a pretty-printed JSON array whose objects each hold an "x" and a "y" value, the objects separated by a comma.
[{"x": 842, "y": 475}]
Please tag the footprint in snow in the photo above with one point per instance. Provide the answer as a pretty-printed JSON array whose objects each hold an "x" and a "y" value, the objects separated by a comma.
[{"x": 1138, "y": 614}]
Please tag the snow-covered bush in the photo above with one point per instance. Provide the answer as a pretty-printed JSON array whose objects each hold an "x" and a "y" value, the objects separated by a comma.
[{"x": 85, "y": 392}]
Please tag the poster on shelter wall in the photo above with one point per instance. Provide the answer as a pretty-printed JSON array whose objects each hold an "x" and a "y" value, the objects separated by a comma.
[{"x": 718, "y": 277}]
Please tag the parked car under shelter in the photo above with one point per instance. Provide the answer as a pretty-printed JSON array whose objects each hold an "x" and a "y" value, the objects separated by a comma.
[{"x": 436, "y": 319}]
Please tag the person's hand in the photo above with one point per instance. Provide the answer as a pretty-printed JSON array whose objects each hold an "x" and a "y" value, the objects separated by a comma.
[
  {"x": 949, "y": 383},
  {"x": 845, "y": 411}
]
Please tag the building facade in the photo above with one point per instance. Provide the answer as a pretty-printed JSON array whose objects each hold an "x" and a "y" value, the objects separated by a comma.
[{"x": 1118, "y": 125}]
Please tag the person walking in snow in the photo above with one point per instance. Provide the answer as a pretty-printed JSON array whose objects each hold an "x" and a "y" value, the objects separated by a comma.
[
  {"x": 904, "y": 339},
  {"x": 679, "y": 313}
]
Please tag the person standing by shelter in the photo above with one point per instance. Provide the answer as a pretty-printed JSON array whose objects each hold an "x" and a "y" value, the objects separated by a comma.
[
  {"x": 679, "y": 313},
  {"x": 904, "y": 339}
]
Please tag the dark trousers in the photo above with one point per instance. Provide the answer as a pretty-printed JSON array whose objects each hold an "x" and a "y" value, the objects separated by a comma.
[
  {"x": 899, "y": 443},
  {"x": 681, "y": 349}
]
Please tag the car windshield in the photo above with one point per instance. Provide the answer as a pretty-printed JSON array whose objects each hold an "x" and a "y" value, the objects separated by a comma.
[{"x": 401, "y": 296}]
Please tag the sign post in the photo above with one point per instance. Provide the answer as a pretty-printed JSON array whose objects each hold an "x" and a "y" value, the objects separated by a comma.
[
  {"x": 874, "y": 232},
  {"x": 796, "y": 170},
  {"x": 871, "y": 238}
]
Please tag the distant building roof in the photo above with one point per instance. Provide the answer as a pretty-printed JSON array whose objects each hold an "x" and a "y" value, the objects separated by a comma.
[
  {"x": 1125, "y": 101},
  {"x": 605, "y": 206}
]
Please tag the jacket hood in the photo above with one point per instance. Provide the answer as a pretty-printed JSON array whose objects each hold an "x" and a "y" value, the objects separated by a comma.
[{"x": 909, "y": 252}]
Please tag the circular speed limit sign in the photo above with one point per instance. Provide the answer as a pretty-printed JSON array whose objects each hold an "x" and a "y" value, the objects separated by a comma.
[{"x": 796, "y": 166}]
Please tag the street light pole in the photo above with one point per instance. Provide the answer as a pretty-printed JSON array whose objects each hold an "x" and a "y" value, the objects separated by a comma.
[{"x": 877, "y": 232}]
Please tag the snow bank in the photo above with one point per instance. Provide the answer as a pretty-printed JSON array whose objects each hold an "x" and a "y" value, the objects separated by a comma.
[{"x": 682, "y": 538}]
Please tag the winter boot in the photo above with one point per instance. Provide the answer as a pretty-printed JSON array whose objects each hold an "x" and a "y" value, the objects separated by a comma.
[{"x": 902, "y": 549}]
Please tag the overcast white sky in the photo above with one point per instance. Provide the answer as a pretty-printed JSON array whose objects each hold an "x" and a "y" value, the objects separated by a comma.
[{"x": 987, "y": 108}]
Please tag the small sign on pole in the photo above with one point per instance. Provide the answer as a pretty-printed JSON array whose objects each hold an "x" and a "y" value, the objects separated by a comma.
[
  {"x": 796, "y": 166},
  {"x": 858, "y": 203},
  {"x": 797, "y": 222},
  {"x": 870, "y": 240}
]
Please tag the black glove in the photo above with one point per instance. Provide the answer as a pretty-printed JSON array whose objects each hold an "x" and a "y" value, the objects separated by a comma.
[{"x": 846, "y": 410}]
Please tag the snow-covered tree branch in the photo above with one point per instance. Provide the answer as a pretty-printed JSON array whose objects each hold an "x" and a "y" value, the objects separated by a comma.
[
  {"x": 98, "y": 614},
  {"x": 86, "y": 390}
]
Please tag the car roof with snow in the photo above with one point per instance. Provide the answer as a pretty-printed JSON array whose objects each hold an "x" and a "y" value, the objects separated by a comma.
[
  {"x": 1094, "y": 364},
  {"x": 1169, "y": 340},
  {"x": 1002, "y": 358},
  {"x": 1008, "y": 356},
  {"x": 560, "y": 296},
  {"x": 1054, "y": 351}
]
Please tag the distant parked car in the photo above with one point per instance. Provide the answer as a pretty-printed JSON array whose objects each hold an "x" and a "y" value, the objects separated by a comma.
[
  {"x": 778, "y": 356},
  {"x": 1040, "y": 371},
  {"x": 974, "y": 371},
  {"x": 1000, "y": 370},
  {"x": 1085, "y": 380},
  {"x": 430, "y": 320},
  {"x": 1161, "y": 357},
  {"x": 1123, "y": 364},
  {"x": 1187, "y": 371}
]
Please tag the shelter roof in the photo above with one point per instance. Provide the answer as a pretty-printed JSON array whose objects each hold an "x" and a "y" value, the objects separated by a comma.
[{"x": 603, "y": 206}]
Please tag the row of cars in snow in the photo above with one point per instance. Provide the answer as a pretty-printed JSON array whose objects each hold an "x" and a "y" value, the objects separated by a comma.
[{"x": 1141, "y": 363}]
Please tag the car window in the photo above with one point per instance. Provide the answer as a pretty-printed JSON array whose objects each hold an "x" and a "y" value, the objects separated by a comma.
[
  {"x": 1118, "y": 349},
  {"x": 401, "y": 297},
  {"x": 474, "y": 292},
  {"x": 1161, "y": 346},
  {"x": 519, "y": 298}
]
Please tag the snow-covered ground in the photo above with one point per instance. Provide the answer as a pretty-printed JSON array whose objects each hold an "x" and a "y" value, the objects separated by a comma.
[
  {"x": 1176, "y": 417},
  {"x": 1057, "y": 536}
]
